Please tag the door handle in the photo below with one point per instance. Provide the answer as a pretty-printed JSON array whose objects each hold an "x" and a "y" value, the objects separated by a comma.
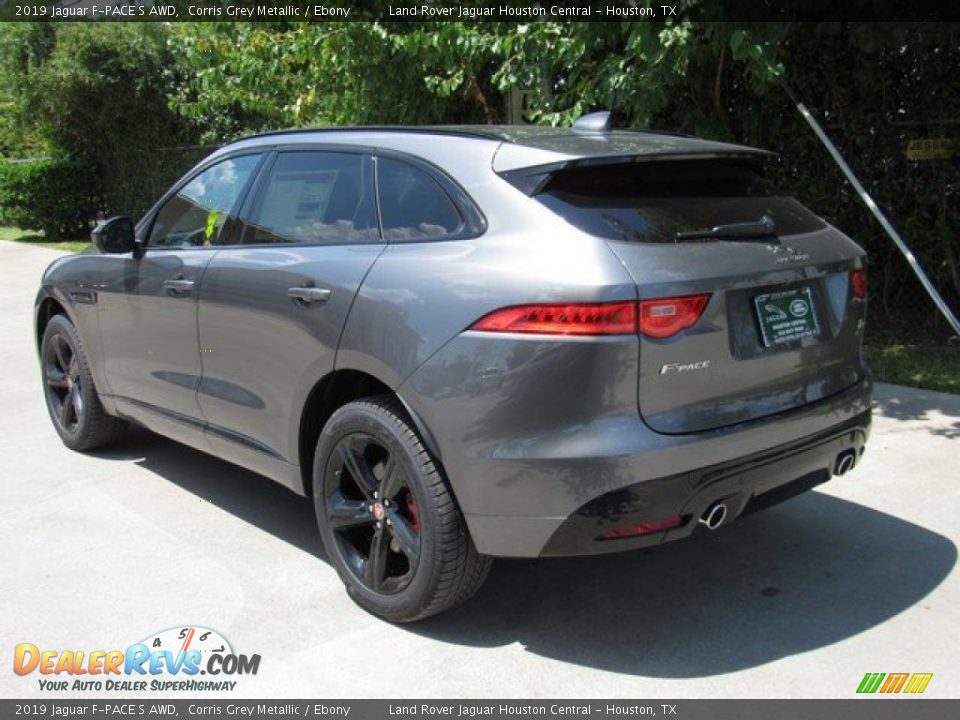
[
  {"x": 178, "y": 286},
  {"x": 307, "y": 295}
]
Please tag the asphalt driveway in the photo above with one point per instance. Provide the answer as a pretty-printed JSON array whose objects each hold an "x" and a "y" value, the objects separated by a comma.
[{"x": 100, "y": 551}]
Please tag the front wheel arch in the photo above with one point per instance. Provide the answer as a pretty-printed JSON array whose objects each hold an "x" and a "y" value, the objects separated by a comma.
[{"x": 47, "y": 308}]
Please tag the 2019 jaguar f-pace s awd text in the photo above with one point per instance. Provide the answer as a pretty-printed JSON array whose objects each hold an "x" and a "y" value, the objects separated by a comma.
[{"x": 470, "y": 342}]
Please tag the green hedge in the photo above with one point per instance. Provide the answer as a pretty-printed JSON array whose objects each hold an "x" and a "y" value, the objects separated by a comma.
[{"x": 58, "y": 196}]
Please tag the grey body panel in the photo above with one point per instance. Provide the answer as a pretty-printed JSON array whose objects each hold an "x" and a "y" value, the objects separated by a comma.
[
  {"x": 743, "y": 381},
  {"x": 148, "y": 338},
  {"x": 73, "y": 282},
  {"x": 528, "y": 427},
  {"x": 534, "y": 431}
]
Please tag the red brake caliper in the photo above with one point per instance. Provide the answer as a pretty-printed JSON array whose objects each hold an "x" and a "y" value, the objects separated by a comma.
[{"x": 413, "y": 511}]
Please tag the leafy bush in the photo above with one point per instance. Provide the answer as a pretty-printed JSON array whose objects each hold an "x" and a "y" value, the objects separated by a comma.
[
  {"x": 97, "y": 93},
  {"x": 58, "y": 196}
]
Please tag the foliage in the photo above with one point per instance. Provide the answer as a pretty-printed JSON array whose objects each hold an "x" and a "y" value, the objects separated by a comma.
[
  {"x": 23, "y": 48},
  {"x": 11, "y": 233},
  {"x": 96, "y": 92},
  {"x": 117, "y": 92},
  {"x": 923, "y": 366},
  {"x": 54, "y": 196}
]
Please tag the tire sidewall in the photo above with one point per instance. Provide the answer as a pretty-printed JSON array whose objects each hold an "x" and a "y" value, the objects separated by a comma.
[
  {"x": 59, "y": 325},
  {"x": 368, "y": 418}
]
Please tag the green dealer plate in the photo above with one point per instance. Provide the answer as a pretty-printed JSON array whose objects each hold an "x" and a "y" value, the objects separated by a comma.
[{"x": 786, "y": 316}]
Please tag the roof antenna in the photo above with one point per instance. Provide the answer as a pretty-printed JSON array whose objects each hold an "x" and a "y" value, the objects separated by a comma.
[{"x": 593, "y": 123}]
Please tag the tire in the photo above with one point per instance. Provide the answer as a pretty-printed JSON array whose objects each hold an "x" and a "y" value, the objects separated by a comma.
[
  {"x": 403, "y": 554},
  {"x": 71, "y": 397}
]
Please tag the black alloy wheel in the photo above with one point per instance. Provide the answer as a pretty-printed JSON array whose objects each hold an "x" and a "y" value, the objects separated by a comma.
[
  {"x": 75, "y": 409},
  {"x": 373, "y": 514},
  {"x": 64, "y": 385},
  {"x": 388, "y": 519}
]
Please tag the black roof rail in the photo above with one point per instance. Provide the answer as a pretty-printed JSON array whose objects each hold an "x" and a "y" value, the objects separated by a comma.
[{"x": 416, "y": 129}]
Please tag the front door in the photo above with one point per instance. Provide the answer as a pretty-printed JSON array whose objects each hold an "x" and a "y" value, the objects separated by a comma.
[{"x": 148, "y": 304}]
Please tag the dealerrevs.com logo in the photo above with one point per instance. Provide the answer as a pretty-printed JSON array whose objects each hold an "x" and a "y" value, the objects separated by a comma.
[{"x": 170, "y": 660}]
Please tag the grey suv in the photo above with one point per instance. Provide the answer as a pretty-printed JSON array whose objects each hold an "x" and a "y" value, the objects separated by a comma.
[{"x": 469, "y": 342}]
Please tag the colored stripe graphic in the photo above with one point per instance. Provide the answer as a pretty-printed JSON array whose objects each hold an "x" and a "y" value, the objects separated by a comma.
[
  {"x": 894, "y": 683},
  {"x": 870, "y": 682},
  {"x": 918, "y": 682}
]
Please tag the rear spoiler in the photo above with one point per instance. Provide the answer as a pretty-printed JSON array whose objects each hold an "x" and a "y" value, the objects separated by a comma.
[{"x": 532, "y": 180}]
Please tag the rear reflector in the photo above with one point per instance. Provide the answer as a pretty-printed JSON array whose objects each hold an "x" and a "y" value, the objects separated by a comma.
[
  {"x": 619, "y": 318},
  {"x": 664, "y": 317},
  {"x": 671, "y": 521},
  {"x": 858, "y": 281}
]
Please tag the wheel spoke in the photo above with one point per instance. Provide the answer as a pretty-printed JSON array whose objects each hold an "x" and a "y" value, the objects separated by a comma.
[
  {"x": 66, "y": 406},
  {"x": 405, "y": 536},
  {"x": 55, "y": 377},
  {"x": 77, "y": 401},
  {"x": 375, "y": 567},
  {"x": 392, "y": 481},
  {"x": 359, "y": 469},
  {"x": 346, "y": 513},
  {"x": 58, "y": 347}
]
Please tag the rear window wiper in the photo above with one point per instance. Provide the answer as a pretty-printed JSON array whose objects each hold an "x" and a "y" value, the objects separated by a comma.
[{"x": 764, "y": 227}]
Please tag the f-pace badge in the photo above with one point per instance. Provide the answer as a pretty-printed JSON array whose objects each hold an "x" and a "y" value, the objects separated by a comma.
[{"x": 684, "y": 367}]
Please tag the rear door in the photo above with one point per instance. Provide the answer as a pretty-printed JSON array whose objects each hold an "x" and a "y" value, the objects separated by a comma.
[
  {"x": 272, "y": 307},
  {"x": 148, "y": 306},
  {"x": 780, "y": 324}
]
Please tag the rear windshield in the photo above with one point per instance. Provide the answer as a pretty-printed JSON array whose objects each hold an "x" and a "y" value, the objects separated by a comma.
[{"x": 652, "y": 202}]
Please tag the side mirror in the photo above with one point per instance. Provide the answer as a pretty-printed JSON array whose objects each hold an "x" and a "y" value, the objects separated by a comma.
[{"x": 115, "y": 235}]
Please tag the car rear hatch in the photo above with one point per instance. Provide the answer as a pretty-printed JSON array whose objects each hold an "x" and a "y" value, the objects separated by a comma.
[{"x": 772, "y": 295}]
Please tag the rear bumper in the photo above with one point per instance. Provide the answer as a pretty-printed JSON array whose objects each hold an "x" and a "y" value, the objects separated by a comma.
[
  {"x": 749, "y": 467},
  {"x": 742, "y": 486},
  {"x": 531, "y": 430}
]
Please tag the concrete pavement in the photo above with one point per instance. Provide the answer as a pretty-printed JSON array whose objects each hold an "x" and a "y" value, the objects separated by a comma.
[{"x": 102, "y": 550}]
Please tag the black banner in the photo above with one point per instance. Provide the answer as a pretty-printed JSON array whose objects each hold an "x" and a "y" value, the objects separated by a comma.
[{"x": 476, "y": 11}]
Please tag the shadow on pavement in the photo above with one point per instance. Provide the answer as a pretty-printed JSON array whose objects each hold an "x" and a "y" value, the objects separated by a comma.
[
  {"x": 910, "y": 404},
  {"x": 803, "y": 575}
]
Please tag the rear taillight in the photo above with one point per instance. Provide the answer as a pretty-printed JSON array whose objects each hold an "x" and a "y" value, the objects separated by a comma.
[
  {"x": 663, "y": 317},
  {"x": 659, "y": 318},
  {"x": 858, "y": 282},
  {"x": 619, "y": 318}
]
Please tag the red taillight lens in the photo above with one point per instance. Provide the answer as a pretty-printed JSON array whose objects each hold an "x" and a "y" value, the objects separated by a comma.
[
  {"x": 664, "y": 317},
  {"x": 671, "y": 521},
  {"x": 619, "y": 318},
  {"x": 858, "y": 281}
]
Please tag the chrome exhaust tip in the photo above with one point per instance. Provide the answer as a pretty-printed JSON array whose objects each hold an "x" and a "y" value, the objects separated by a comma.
[
  {"x": 714, "y": 516},
  {"x": 845, "y": 462}
]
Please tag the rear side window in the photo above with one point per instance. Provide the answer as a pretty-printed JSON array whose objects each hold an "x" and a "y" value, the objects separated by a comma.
[
  {"x": 652, "y": 202},
  {"x": 412, "y": 205},
  {"x": 200, "y": 212},
  {"x": 315, "y": 198}
]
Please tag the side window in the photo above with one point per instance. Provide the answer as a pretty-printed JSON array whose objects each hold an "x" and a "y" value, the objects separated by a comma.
[
  {"x": 412, "y": 205},
  {"x": 315, "y": 197},
  {"x": 197, "y": 214}
]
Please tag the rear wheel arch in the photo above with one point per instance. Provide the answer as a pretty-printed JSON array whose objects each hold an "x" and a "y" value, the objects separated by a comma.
[
  {"x": 329, "y": 394},
  {"x": 332, "y": 392}
]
